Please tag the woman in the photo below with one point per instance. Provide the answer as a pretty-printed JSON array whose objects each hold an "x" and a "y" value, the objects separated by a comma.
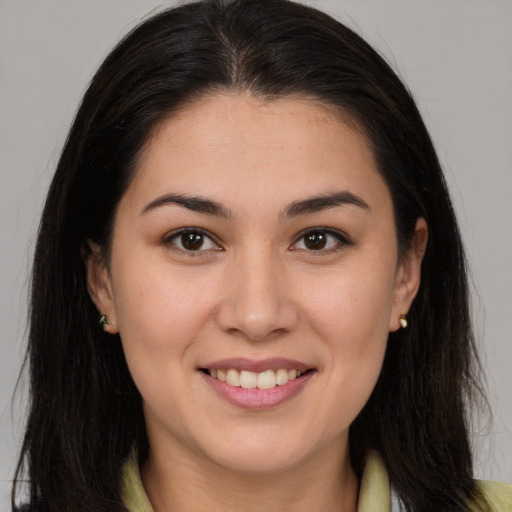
[{"x": 249, "y": 288}]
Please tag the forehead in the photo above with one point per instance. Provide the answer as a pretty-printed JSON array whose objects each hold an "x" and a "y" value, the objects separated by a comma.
[
  {"x": 235, "y": 145},
  {"x": 248, "y": 121}
]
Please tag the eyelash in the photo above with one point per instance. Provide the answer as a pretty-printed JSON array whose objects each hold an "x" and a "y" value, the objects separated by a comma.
[
  {"x": 342, "y": 240},
  {"x": 168, "y": 240}
]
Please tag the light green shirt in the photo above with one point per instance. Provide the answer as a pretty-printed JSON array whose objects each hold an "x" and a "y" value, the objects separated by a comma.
[{"x": 374, "y": 493}]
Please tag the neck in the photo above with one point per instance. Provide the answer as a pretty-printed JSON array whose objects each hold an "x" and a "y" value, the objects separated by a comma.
[{"x": 326, "y": 483}]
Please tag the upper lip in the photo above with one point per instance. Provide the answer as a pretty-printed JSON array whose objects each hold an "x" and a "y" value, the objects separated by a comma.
[{"x": 257, "y": 366}]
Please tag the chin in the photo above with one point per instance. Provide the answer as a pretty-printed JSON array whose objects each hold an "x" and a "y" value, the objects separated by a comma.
[
  {"x": 262, "y": 454},
  {"x": 257, "y": 461}
]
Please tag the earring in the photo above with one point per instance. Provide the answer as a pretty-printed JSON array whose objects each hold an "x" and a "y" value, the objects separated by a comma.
[
  {"x": 403, "y": 321},
  {"x": 104, "y": 321}
]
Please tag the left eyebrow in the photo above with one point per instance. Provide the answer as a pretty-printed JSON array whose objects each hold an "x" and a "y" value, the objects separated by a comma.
[
  {"x": 196, "y": 204},
  {"x": 324, "y": 202}
]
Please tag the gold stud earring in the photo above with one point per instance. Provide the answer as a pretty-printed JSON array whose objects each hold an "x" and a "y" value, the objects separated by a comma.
[
  {"x": 104, "y": 321},
  {"x": 403, "y": 321}
]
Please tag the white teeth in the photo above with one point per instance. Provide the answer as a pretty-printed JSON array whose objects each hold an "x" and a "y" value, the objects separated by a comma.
[
  {"x": 248, "y": 380},
  {"x": 281, "y": 377},
  {"x": 233, "y": 378},
  {"x": 267, "y": 379}
]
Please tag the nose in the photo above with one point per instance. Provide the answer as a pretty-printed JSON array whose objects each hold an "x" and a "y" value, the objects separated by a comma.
[{"x": 257, "y": 303}]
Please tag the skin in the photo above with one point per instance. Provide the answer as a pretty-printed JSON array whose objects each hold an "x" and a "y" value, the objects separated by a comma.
[{"x": 254, "y": 290}]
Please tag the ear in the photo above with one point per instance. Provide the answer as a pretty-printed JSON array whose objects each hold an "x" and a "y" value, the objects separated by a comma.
[
  {"x": 99, "y": 284},
  {"x": 408, "y": 276}
]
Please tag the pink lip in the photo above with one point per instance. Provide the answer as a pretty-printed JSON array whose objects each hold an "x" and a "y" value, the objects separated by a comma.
[
  {"x": 257, "y": 399},
  {"x": 250, "y": 365}
]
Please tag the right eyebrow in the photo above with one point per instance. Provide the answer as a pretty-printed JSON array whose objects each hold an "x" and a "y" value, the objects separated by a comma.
[
  {"x": 324, "y": 202},
  {"x": 194, "y": 203}
]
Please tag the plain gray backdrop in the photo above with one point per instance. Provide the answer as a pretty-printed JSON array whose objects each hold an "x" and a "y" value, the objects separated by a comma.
[{"x": 455, "y": 55}]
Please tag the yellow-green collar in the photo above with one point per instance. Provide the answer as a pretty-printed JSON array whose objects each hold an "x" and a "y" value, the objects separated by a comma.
[
  {"x": 132, "y": 491},
  {"x": 374, "y": 495}
]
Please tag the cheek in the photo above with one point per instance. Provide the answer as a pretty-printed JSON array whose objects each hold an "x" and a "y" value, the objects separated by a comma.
[
  {"x": 351, "y": 308},
  {"x": 355, "y": 328},
  {"x": 159, "y": 310},
  {"x": 160, "y": 315},
  {"x": 351, "y": 316}
]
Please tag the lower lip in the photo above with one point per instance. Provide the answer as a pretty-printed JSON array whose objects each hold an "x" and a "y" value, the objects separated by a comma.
[{"x": 257, "y": 399}]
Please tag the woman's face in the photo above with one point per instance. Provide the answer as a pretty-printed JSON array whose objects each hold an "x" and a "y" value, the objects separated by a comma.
[{"x": 256, "y": 244}]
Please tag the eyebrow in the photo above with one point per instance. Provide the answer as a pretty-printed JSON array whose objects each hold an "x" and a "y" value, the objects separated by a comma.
[
  {"x": 196, "y": 204},
  {"x": 324, "y": 202},
  {"x": 301, "y": 207}
]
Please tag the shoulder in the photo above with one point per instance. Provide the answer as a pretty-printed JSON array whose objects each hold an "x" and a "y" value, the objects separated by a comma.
[{"x": 497, "y": 494}]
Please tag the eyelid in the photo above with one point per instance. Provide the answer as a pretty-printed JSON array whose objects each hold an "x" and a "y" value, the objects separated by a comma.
[
  {"x": 169, "y": 237},
  {"x": 342, "y": 238}
]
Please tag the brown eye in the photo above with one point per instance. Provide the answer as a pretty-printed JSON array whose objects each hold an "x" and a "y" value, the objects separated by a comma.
[
  {"x": 192, "y": 241},
  {"x": 315, "y": 241},
  {"x": 321, "y": 240}
]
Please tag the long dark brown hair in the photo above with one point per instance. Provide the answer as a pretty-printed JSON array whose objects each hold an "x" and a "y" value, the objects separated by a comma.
[{"x": 85, "y": 412}]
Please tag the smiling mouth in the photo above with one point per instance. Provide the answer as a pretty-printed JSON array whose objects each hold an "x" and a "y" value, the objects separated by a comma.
[{"x": 266, "y": 379}]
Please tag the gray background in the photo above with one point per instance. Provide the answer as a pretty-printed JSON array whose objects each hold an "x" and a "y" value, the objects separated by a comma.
[{"x": 456, "y": 56}]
